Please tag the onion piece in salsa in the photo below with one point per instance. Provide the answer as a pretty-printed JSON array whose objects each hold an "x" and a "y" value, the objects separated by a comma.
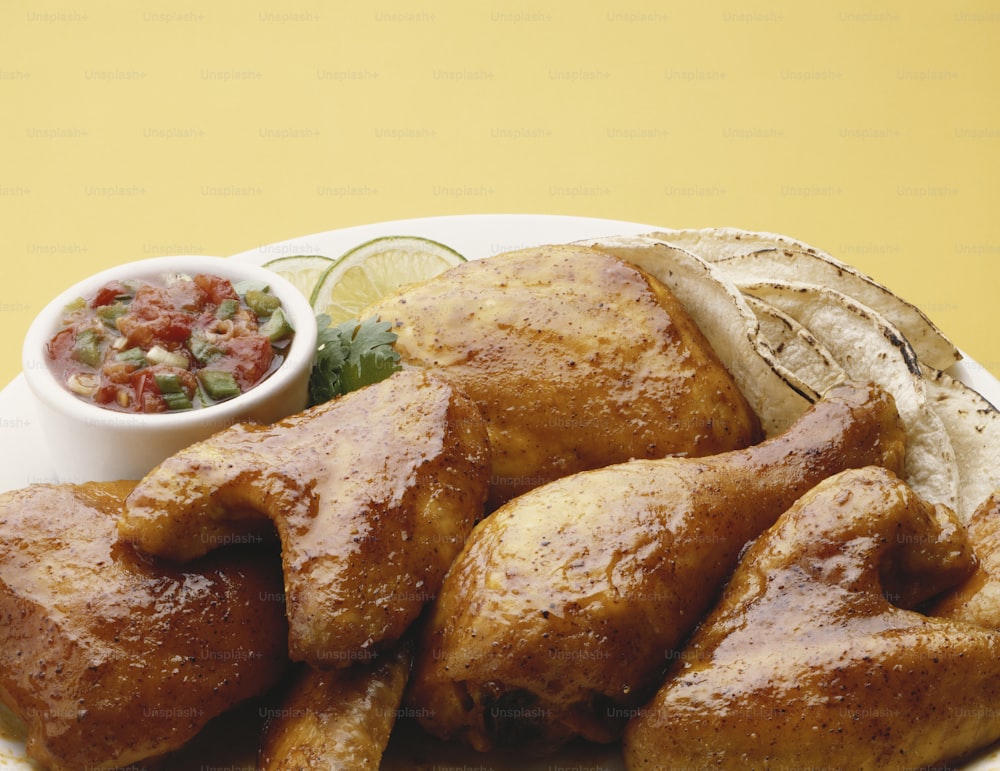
[{"x": 175, "y": 342}]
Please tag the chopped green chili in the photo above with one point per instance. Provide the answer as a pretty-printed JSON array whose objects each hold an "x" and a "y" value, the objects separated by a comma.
[
  {"x": 177, "y": 401},
  {"x": 262, "y": 302},
  {"x": 277, "y": 327},
  {"x": 201, "y": 348},
  {"x": 134, "y": 356},
  {"x": 227, "y": 309},
  {"x": 172, "y": 391},
  {"x": 87, "y": 347},
  {"x": 249, "y": 285},
  {"x": 219, "y": 384},
  {"x": 168, "y": 382},
  {"x": 110, "y": 313}
]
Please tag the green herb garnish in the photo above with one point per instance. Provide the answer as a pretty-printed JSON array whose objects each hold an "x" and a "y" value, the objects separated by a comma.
[{"x": 351, "y": 355}]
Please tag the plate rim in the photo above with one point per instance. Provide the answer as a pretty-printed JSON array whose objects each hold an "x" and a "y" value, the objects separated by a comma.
[
  {"x": 968, "y": 370},
  {"x": 523, "y": 229}
]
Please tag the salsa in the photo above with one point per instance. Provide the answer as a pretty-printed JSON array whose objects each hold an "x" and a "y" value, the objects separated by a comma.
[{"x": 172, "y": 343}]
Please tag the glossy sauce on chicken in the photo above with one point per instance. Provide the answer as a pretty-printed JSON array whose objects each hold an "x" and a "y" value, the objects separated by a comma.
[
  {"x": 815, "y": 657},
  {"x": 371, "y": 494},
  {"x": 576, "y": 359},
  {"x": 110, "y": 657},
  {"x": 560, "y": 615}
]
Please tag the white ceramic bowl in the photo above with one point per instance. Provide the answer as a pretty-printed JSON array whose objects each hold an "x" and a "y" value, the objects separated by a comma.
[{"x": 90, "y": 443}]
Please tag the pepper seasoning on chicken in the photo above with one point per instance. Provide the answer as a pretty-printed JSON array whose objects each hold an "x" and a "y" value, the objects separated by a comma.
[
  {"x": 111, "y": 658},
  {"x": 577, "y": 360},
  {"x": 371, "y": 494},
  {"x": 977, "y": 600},
  {"x": 559, "y": 616},
  {"x": 814, "y": 656}
]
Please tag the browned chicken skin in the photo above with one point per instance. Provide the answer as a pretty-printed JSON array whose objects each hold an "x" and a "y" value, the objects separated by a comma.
[
  {"x": 337, "y": 719},
  {"x": 978, "y": 599},
  {"x": 110, "y": 658},
  {"x": 559, "y": 616},
  {"x": 811, "y": 658},
  {"x": 577, "y": 360},
  {"x": 372, "y": 495}
]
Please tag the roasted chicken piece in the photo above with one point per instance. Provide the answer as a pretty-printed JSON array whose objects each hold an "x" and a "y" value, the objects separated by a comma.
[
  {"x": 372, "y": 496},
  {"x": 337, "y": 719},
  {"x": 577, "y": 360},
  {"x": 977, "y": 600},
  {"x": 560, "y": 615},
  {"x": 813, "y": 657},
  {"x": 110, "y": 658}
]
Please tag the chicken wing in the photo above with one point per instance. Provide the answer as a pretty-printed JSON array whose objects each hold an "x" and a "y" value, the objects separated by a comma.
[
  {"x": 110, "y": 658},
  {"x": 577, "y": 360},
  {"x": 561, "y": 613},
  {"x": 812, "y": 658},
  {"x": 337, "y": 719},
  {"x": 372, "y": 496}
]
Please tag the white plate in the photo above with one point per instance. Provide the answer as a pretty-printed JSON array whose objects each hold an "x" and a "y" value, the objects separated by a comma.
[{"x": 475, "y": 236}]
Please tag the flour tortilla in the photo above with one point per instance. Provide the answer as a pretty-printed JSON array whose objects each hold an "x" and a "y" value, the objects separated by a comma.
[
  {"x": 973, "y": 426},
  {"x": 778, "y": 396},
  {"x": 871, "y": 349},
  {"x": 792, "y": 264},
  {"x": 796, "y": 348}
]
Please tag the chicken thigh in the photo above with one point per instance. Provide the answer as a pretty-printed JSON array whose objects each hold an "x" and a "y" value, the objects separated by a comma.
[
  {"x": 577, "y": 360},
  {"x": 813, "y": 659},
  {"x": 110, "y": 658},
  {"x": 562, "y": 612},
  {"x": 372, "y": 495}
]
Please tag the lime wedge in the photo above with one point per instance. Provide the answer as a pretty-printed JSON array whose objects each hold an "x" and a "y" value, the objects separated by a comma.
[
  {"x": 302, "y": 270},
  {"x": 375, "y": 269}
]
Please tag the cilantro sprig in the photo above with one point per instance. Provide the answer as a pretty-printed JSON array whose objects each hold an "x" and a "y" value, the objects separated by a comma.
[{"x": 351, "y": 355}]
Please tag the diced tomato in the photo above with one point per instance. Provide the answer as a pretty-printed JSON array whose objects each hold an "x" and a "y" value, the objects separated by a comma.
[
  {"x": 60, "y": 347},
  {"x": 185, "y": 295},
  {"x": 107, "y": 394},
  {"x": 153, "y": 319},
  {"x": 248, "y": 358},
  {"x": 119, "y": 372},
  {"x": 216, "y": 288},
  {"x": 107, "y": 294},
  {"x": 147, "y": 395}
]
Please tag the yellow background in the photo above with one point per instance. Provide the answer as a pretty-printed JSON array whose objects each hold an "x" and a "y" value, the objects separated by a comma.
[{"x": 147, "y": 127}]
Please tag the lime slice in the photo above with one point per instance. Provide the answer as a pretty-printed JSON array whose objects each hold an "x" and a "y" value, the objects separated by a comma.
[
  {"x": 375, "y": 269},
  {"x": 302, "y": 270}
]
